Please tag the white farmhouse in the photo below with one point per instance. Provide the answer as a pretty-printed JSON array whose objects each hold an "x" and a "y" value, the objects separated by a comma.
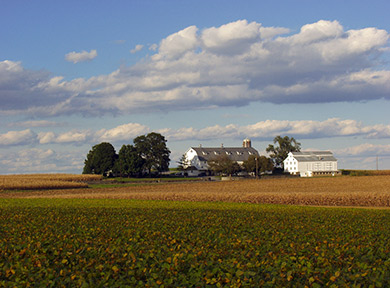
[
  {"x": 197, "y": 157},
  {"x": 310, "y": 163}
]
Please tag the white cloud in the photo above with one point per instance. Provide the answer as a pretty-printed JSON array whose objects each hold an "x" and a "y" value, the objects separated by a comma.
[
  {"x": 266, "y": 130},
  {"x": 125, "y": 132},
  {"x": 72, "y": 137},
  {"x": 270, "y": 32},
  {"x": 366, "y": 149},
  {"x": 137, "y": 48},
  {"x": 46, "y": 137},
  {"x": 82, "y": 56},
  {"x": 23, "y": 137},
  {"x": 263, "y": 130},
  {"x": 231, "y": 65},
  {"x": 231, "y": 38},
  {"x": 35, "y": 160},
  {"x": 177, "y": 44}
]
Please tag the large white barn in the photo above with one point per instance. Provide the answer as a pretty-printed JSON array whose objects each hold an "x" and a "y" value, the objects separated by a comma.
[
  {"x": 310, "y": 163},
  {"x": 197, "y": 157}
]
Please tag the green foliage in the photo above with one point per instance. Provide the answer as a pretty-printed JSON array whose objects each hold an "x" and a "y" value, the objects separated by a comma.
[
  {"x": 126, "y": 243},
  {"x": 129, "y": 163},
  {"x": 222, "y": 164},
  {"x": 100, "y": 159},
  {"x": 154, "y": 151},
  {"x": 183, "y": 162},
  {"x": 263, "y": 164},
  {"x": 280, "y": 151}
]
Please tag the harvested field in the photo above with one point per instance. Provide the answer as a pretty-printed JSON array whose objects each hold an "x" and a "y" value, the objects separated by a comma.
[
  {"x": 368, "y": 191},
  {"x": 45, "y": 181}
]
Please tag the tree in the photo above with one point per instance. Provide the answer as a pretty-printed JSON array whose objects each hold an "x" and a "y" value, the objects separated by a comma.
[
  {"x": 183, "y": 162},
  {"x": 280, "y": 151},
  {"x": 129, "y": 162},
  {"x": 222, "y": 164},
  {"x": 263, "y": 164},
  {"x": 153, "y": 149},
  {"x": 100, "y": 159}
]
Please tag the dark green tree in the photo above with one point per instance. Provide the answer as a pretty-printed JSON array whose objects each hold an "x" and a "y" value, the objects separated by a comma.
[
  {"x": 129, "y": 163},
  {"x": 279, "y": 151},
  {"x": 153, "y": 149},
  {"x": 222, "y": 164},
  {"x": 100, "y": 159},
  {"x": 263, "y": 164}
]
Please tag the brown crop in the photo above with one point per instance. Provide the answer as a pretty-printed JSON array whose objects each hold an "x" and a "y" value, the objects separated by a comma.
[
  {"x": 368, "y": 191},
  {"x": 45, "y": 181}
]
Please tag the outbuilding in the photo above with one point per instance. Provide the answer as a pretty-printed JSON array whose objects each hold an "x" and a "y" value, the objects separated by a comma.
[{"x": 311, "y": 163}]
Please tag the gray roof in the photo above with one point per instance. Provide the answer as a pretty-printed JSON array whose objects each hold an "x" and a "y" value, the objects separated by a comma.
[
  {"x": 234, "y": 153},
  {"x": 313, "y": 156}
]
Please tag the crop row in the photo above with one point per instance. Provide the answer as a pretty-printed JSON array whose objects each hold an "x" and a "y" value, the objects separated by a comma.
[
  {"x": 126, "y": 243},
  {"x": 45, "y": 181}
]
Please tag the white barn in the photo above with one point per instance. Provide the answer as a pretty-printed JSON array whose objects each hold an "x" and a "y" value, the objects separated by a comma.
[
  {"x": 311, "y": 163},
  {"x": 197, "y": 157}
]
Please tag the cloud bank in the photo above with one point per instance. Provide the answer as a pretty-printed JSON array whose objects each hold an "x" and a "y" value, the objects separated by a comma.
[
  {"x": 231, "y": 65},
  {"x": 261, "y": 131}
]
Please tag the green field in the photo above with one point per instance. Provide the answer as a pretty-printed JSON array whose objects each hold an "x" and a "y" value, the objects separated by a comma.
[{"x": 134, "y": 243}]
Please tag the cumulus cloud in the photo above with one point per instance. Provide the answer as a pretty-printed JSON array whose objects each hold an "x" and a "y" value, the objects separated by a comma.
[
  {"x": 137, "y": 48},
  {"x": 12, "y": 138},
  {"x": 263, "y": 130},
  {"x": 177, "y": 44},
  {"x": 231, "y": 65},
  {"x": 366, "y": 149},
  {"x": 82, "y": 56},
  {"x": 231, "y": 38},
  {"x": 36, "y": 160},
  {"x": 125, "y": 132},
  {"x": 267, "y": 130}
]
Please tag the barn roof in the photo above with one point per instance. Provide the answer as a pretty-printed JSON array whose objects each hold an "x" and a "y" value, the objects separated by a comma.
[
  {"x": 234, "y": 153},
  {"x": 314, "y": 156}
]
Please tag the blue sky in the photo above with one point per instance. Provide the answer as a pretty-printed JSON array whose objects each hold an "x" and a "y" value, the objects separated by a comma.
[{"x": 77, "y": 73}]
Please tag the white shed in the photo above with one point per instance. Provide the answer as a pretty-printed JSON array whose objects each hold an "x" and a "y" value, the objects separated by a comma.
[{"x": 310, "y": 163}]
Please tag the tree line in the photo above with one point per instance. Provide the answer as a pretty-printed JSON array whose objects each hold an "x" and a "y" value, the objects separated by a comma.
[{"x": 149, "y": 153}]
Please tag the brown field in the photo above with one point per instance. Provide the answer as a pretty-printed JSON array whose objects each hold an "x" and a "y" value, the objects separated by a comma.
[
  {"x": 45, "y": 181},
  {"x": 367, "y": 191}
]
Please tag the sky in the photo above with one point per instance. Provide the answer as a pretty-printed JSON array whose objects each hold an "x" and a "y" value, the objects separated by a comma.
[{"x": 74, "y": 74}]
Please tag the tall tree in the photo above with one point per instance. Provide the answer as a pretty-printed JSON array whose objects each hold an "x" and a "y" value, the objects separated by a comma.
[
  {"x": 100, "y": 159},
  {"x": 130, "y": 162},
  {"x": 222, "y": 164},
  {"x": 263, "y": 164},
  {"x": 279, "y": 151},
  {"x": 153, "y": 149},
  {"x": 183, "y": 162}
]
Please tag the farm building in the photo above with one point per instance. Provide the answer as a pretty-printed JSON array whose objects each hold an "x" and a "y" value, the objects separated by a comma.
[
  {"x": 197, "y": 157},
  {"x": 311, "y": 163}
]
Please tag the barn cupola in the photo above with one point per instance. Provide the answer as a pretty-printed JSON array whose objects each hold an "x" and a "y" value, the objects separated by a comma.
[{"x": 247, "y": 143}]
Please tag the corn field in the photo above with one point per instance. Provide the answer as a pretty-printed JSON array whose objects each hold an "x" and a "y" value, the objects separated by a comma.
[
  {"x": 45, "y": 181},
  {"x": 367, "y": 191}
]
